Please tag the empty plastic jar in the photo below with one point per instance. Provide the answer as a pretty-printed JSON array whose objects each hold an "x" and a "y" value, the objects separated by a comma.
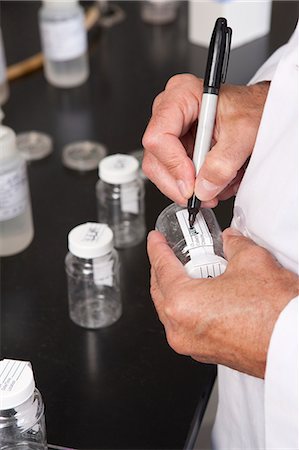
[
  {"x": 22, "y": 419},
  {"x": 198, "y": 248},
  {"x": 92, "y": 268},
  {"x": 120, "y": 199}
]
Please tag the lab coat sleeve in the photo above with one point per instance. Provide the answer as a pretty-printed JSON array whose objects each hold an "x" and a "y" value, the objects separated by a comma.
[
  {"x": 267, "y": 70},
  {"x": 281, "y": 382}
]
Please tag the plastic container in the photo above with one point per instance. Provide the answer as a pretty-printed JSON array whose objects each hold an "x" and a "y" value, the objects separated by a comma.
[
  {"x": 22, "y": 418},
  {"x": 159, "y": 12},
  {"x": 4, "y": 90},
  {"x": 92, "y": 268},
  {"x": 16, "y": 225},
  {"x": 120, "y": 199},
  {"x": 198, "y": 248},
  {"x": 64, "y": 42}
]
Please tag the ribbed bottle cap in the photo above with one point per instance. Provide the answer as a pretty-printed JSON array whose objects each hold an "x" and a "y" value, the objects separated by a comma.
[
  {"x": 118, "y": 169},
  {"x": 16, "y": 383},
  {"x": 90, "y": 240}
]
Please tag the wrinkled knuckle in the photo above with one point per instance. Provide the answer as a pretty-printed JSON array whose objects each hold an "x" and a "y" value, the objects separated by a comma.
[
  {"x": 175, "y": 342},
  {"x": 181, "y": 79},
  {"x": 158, "y": 100}
]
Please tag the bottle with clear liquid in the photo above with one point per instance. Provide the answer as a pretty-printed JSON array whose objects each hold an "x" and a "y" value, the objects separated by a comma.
[
  {"x": 16, "y": 225},
  {"x": 199, "y": 248},
  {"x": 64, "y": 42},
  {"x": 92, "y": 268},
  {"x": 22, "y": 418},
  {"x": 120, "y": 199},
  {"x": 4, "y": 90}
]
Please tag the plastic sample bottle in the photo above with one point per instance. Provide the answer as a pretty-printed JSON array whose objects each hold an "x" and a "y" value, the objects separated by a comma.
[
  {"x": 22, "y": 419},
  {"x": 16, "y": 226},
  {"x": 120, "y": 199},
  {"x": 64, "y": 42},
  {"x": 198, "y": 248},
  {"x": 92, "y": 268},
  {"x": 4, "y": 90}
]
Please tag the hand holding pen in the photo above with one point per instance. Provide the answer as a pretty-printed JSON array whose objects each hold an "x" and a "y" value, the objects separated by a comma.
[{"x": 216, "y": 70}]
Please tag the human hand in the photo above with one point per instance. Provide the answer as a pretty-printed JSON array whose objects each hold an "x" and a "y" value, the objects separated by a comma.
[
  {"x": 226, "y": 320},
  {"x": 169, "y": 139}
]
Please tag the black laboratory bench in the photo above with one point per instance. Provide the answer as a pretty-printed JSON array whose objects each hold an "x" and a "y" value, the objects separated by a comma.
[{"x": 121, "y": 387}]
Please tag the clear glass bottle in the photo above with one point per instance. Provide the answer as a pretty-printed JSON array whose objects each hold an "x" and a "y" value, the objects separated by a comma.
[
  {"x": 198, "y": 248},
  {"x": 92, "y": 268},
  {"x": 4, "y": 90},
  {"x": 64, "y": 42},
  {"x": 22, "y": 418},
  {"x": 159, "y": 12},
  {"x": 120, "y": 199},
  {"x": 16, "y": 225}
]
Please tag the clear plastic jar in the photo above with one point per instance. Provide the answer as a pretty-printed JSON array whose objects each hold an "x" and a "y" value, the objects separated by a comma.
[
  {"x": 159, "y": 12},
  {"x": 64, "y": 42},
  {"x": 22, "y": 419},
  {"x": 120, "y": 199},
  {"x": 198, "y": 248},
  {"x": 92, "y": 268},
  {"x": 16, "y": 225}
]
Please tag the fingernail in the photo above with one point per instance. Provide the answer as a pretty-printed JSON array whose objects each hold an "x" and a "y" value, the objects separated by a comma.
[
  {"x": 205, "y": 190},
  {"x": 183, "y": 188},
  {"x": 232, "y": 232}
]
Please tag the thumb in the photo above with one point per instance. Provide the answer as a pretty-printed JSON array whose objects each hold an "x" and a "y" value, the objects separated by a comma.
[{"x": 234, "y": 242}]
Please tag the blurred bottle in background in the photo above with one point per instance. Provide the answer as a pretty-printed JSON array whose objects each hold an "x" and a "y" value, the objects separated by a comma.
[
  {"x": 16, "y": 225},
  {"x": 4, "y": 91},
  {"x": 64, "y": 43},
  {"x": 159, "y": 12}
]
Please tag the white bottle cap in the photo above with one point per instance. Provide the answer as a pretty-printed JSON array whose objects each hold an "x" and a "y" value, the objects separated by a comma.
[
  {"x": 90, "y": 240},
  {"x": 59, "y": 3},
  {"x": 118, "y": 169},
  {"x": 16, "y": 383},
  {"x": 7, "y": 140}
]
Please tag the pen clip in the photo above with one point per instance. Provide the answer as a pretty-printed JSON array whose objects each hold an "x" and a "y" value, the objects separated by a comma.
[{"x": 228, "y": 38}]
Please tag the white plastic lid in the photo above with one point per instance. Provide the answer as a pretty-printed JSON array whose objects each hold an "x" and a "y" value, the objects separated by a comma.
[
  {"x": 90, "y": 240},
  {"x": 118, "y": 169},
  {"x": 59, "y": 3},
  {"x": 7, "y": 140},
  {"x": 16, "y": 383},
  {"x": 211, "y": 266}
]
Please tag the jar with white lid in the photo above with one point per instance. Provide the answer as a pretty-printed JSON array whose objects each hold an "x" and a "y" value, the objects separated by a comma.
[
  {"x": 64, "y": 42},
  {"x": 159, "y": 12},
  {"x": 22, "y": 418},
  {"x": 120, "y": 199},
  {"x": 16, "y": 225},
  {"x": 199, "y": 248},
  {"x": 92, "y": 267}
]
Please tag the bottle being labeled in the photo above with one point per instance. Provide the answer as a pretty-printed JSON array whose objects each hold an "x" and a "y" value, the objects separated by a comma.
[
  {"x": 120, "y": 199},
  {"x": 199, "y": 248},
  {"x": 22, "y": 418},
  {"x": 64, "y": 42},
  {"x": 4, "y": 90},
  {"x": 16, "y": 225},
  {"x": 92, "y": 268}
]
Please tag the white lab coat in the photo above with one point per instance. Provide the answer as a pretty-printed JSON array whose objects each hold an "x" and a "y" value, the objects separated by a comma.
[{"x": 254, "y": 413}]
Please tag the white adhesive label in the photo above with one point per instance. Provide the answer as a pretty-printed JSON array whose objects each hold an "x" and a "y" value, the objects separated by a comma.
[
  {"x": 94, "y": 232},
  {"x": 129, "y": 198},
  {"x": 13, "y": 193},
  {"x": 199, "y": 243},
  {"x": 103, "y": 272},
  {"x": 10, "y": 373},
  {"x": 64, "y": 40}
]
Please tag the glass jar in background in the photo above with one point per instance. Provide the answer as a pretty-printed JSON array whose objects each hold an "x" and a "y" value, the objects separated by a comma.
[
  {"x": 22, "y": 419},
  {"x": 198, "y": 248},
  {"x": 120, "y": 199},
  {"x": 159, "y": 12},
  {"x": 4, "y": 90},
  {"x": 64, "y": 42},
  {"x": 16, "y": 225},
  {"x": 92, "y": 268}
]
